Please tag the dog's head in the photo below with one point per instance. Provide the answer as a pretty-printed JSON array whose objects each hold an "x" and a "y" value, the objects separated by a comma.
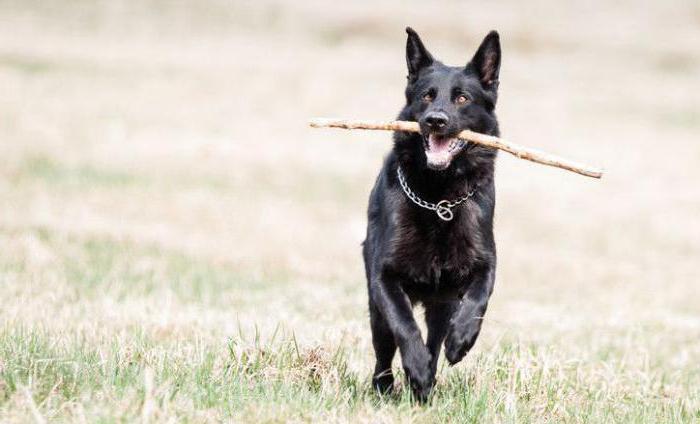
[{"x": 445, "y": 100}]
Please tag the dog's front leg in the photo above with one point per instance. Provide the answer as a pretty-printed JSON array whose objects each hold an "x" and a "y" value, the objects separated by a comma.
[
  {"x": 466, "y": 322},
  {"x": 395, "y": 306}
]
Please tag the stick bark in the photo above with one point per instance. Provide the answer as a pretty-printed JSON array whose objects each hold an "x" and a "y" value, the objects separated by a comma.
[{"x": 517, "y": 150}]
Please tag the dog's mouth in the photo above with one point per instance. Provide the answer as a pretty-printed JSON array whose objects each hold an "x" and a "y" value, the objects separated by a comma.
[{"x": 441, "y": 149}]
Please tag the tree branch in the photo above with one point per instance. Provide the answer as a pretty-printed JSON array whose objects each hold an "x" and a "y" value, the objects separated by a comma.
[{"x": 483, "y": 139}]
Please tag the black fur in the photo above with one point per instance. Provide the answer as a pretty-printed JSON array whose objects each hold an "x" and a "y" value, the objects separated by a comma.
[{"x": 411, "y": 256}]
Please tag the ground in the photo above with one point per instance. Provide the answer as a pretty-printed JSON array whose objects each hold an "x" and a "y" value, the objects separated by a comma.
[{"x": 177, "y": 244}]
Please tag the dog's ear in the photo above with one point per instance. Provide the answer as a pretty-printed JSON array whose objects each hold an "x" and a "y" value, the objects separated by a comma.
[
  {"x": 487, "y": 61},
  {"x": 417, "y": 56}
]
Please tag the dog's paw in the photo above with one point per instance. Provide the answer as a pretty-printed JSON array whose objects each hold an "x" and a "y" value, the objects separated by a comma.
[
  {"x": 457, "y": 344},
  {"x": 419, "y": 373},
  {"x": 383, "y": 383}
]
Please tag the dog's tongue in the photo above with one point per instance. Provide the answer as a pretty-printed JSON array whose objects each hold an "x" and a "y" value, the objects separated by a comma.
[{"x": 438, "y": 151}]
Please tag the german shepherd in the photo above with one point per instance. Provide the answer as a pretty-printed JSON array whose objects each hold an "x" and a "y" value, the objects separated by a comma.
[{"x": 430, "y": 218}]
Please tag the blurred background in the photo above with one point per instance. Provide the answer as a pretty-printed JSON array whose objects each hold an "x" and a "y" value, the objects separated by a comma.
[{"x": 158, "y": 175}]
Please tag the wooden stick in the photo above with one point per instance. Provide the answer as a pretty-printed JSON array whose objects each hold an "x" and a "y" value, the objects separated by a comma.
[{"x": 486, "y": 140}]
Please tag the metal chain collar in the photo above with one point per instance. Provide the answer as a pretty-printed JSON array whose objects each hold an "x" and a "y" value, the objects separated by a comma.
[{"x": 443, "y": 208}]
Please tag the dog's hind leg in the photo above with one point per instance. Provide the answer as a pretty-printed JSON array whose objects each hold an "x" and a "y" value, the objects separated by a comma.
[
  {"x": 437, "y": 319},
  {"x": 384, "y": 350}
]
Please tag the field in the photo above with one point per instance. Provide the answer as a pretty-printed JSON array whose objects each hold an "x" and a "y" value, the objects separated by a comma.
[{"x": 177, "y": 245}]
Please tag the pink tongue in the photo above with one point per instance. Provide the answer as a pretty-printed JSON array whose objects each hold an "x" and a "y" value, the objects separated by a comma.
[
  {"x": 438, "y": 152},
  {"x": 438, "y": 144}
]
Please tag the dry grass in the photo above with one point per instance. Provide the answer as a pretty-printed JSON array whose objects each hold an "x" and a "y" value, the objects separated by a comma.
[{"x": 175, "y": 244}]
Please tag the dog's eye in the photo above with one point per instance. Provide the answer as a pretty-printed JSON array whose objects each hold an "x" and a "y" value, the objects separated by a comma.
[
  {"x": 428, "y": 97},
  {"x": 462, "y": 99}
]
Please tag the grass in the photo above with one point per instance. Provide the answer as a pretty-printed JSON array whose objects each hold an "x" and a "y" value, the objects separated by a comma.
[
  {"x": 127, "y": 370},
  {"x": 103, "y": 267},
  {"x": 247, "y": 378},
  {"x": 47, "y": 170},
  {"x": 25, "y": 64}
]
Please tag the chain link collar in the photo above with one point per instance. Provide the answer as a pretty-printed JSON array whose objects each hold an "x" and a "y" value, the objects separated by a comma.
[{"x": 443, "y": 208}]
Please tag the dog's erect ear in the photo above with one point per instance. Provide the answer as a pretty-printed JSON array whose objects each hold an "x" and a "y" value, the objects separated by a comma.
[
  {"x": 487, "y": 61},
  {"x": 417, "y": 56}
]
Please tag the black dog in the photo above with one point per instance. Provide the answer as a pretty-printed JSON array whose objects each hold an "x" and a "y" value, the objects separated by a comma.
[{"x": 430, "y": 218}]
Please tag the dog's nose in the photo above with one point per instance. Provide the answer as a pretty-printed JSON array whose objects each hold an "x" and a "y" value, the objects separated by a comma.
[{"x": 436, "y": 120}]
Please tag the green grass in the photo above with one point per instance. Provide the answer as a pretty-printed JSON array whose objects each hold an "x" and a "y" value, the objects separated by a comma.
[
  {"x": 257, "y": 380},
  {"x": 103, "y": 267},
  {"x": 26, "y": 64},
  {"x": 47, "y": 170},
  {"x": 317, "y": 187},
  {"x": 227, "y": 377},
  {"x": 126, "y": 368},
  {"x": 127, "y": 371}
]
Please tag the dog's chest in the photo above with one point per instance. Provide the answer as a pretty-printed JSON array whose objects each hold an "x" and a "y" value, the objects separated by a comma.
[{"x": 433, "y": 252}]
